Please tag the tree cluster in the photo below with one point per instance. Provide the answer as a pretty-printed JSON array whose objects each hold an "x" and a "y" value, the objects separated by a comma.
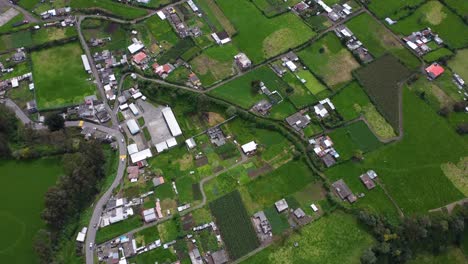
[
  {"x": 8, "y": 128},
  {"x": 83, "y": 171},
  {"x": 432, "y": 233}
]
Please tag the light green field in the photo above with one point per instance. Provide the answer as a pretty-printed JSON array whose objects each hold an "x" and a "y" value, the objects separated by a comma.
[
  {"x": 24, "y": 186},
  {"x": 378, "y": 40},
  {"x": 458, "y": 63},
  {"x": 328, "y": 59},
  {"x": 268, "y": 37},
  {"x": 440, "y": 19},
  {"x": 59, "y": 76},
  {"x": 392, "y": 9},
  {"x": 410, "y": 168},
  {"x": 333, "y": 239},
  {"x": 312, "y": 84}
]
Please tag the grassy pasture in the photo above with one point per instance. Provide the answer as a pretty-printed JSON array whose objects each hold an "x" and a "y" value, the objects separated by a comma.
[
  {"x": 440, "y": 19},
  {"x": 458, "y": 63},
  {"x": 274, "y": 7},
  {"x": 26, "y": 38},
  {"x": 301, "y": 96},
  {"x": 312, "y": 84},
  {"x": 380, "y": 80},
  {"x": 350, "y": 101},
  {"x": 24, "y": 186},
  {"x": 60, "y": 77},
  {"x": 328, "y": 59},
  {"x": 333, "y": 239},
  {"x": 459, "y": 6},
  {"x": 379, "y": 41},
  {"x": 112, "y": 231},
  {"x": 109, "y": 6},
  {"x": 268, "y": 37},
  {"x": 238, "y": 91},
  {"x": 234, "y": 223},
  {"x": 438, "y": 54},
  {"x": 411, "y": 168},
  {"x": 215, "y": 63},
  {"x": 393, "y": 9},
  {"x": 356, "y": 136},
  {"x": 216, "y": 17}
]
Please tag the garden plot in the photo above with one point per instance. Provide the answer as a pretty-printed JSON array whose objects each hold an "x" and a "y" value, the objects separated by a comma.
[
  {"x": 59, "y": 76},
  {"x": 269, "y": 37},
  {"x": 329, "y": 60},
  {"x": 440, "y": 19}
]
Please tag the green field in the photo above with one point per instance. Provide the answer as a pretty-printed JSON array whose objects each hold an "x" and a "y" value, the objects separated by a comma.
[
  {"x": 440, "y": 19},
  {"x": 24, "y": 186},
  {"x": 459, "y": 6},
  {"x": 411, "y": 168},
  {"x": 215, "y": 63},
  {"x": 301, "y": 96},
  {"x": 26, "y": 38},
  {"x": 311, "y": 82},
  {"x": 393, "y": 9},
  {"x": 234, "y": 223},
  {"x": 349, "y": 102},
  {"x": 329, "y": 60},
  {"x": 333, "y": 239},
  {"x": 356, "y": 136},
  {"x": 274, "y": 7},
  {"x": 452, "y": 255},
  {"x": 438, "y": 54},
  {"x": 109, "y": 6},
  {"x": 60, "y": 77},
  {"x": 458, "y": 63},
  {"x": 239, "y": 92},
  {"x": 96, "y": 28},
  {"x": 380, "y": 80},
  {"x": 112, "y": 231},
  {"x": 269, "y": 37},
  {"x": 379, "y": 41}
]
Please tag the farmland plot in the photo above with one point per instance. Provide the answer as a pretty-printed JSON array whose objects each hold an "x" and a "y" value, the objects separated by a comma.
[
  {"x": 269, "y": 37},
  {"x": 440, "y": 19},
  {"x": 328, "y": 59},
  {"x": 393, "y": 9},
  {"x": 380, "y": 80},
  {"x": 458, "y": 63},
  {"x": 379, "y": 41},
  {"x": 234, "y": 223}
]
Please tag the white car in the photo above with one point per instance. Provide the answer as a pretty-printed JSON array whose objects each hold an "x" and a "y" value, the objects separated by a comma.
[{"x": 91, "y": 245}]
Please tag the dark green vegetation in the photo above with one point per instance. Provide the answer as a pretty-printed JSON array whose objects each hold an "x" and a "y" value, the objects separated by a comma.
[
  {"x": 440, "y": 19},
  {"x": 351, "y": 138},
  {"x": 350, "y": 101},
  {"x": 109, "y": 7},
  {"x": 379, "y": 40},
  {"x": 273, "y": 7},
  {"x": 329, "y": 60},
  {"x": 114, "y": 230},
  {"x": 411, "y": 168},
  {"x": 59, "y": 76},
  {"x": 34, "y": 38},
  {"x": 333, "y": 239},
  {"x": 234, "y": 223},
  {"x": 458, "y": 63},
  {"x": 437, "y": 55},
  {"x": 98, "y": 28},
  {"x": 269, "y": 37},
  {"x": 393, "y": 9},
  {"x": 380, "y": 80},
  {"x": 26, "y": 182},
  {"x": 458, "y": 6}
]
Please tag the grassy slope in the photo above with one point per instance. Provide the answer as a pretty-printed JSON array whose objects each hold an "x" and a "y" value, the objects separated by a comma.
[
  {"x": 440, "y": 19},
  {"x": 379, "y": 41},
  {"x": 60, "y": 77},
  {"x": 268, "y": 37},
  {"x": 458, "y": 63},
  {"x": 410, "y": 169},
  {"x": 332, "y": 239},
  {"x": 24, "y": 186}
]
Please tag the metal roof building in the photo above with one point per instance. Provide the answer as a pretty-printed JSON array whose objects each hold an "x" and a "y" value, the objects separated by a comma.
[
  {"x": 142, "y": 155},
  {"x": 133, "y": 126},
  {"x": 171, "y": 122},
  {"x": 86, "y": 65}
]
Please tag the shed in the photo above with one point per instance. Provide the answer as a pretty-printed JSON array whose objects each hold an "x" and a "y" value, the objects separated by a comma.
[
  {"x": 249, "y": 148},
  {"x": 133, "y": 126},
  {"x": 171, "y": 122},
  {"x": 132, "y": 148},
  {"x": 281, "y": 205},
  {"x": 190, "y": 143},
  {"x": 172, "y": 142},
  {"x": 142, "y": 155}
]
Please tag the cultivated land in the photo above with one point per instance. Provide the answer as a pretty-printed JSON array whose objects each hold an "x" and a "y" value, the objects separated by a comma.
[
  {"x": 316, "y": 246},
  {"x": 459, "y": 6},
  {"x": 269, "y": 37},
  {"x": 411, "y": 168},
  {"x": 24, "y": 186},
  {"x": 393, "y": 9},
  {"x": 60, "y": 77},
  {"x": 329, "y": 60},
  {"x": 440, "y": 19},
  {"x": 458, "y": 63},
  {"x": 379, "y": 40}
]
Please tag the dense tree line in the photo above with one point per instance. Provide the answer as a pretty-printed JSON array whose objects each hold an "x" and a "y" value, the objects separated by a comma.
[
  {"x": 83, "y": 171},
  {"x": 432, "y": 233},
  {"x": 8, "y": 128}
]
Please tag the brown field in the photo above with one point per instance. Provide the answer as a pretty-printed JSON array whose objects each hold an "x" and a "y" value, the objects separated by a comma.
[{"x": 223, "y": 20}]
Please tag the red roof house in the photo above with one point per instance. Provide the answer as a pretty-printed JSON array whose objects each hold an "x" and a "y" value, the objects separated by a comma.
[
  {"x": 434, "y": 70},
  {"x": 139, "y": 57}
]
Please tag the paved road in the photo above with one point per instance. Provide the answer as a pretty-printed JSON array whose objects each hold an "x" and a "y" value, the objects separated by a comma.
[{"x": 28, "y": 16}]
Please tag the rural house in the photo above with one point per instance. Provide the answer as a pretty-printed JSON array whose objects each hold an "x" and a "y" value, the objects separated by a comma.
[
  {"x": 343, "y": 191},
  {"x": 434, "y": 71}
]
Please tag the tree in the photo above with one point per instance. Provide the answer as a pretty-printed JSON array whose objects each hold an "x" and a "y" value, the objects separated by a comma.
[
  {"x": 444, "y": 111},
  {"x": 358, "y": 155},
  {"x": 55, "y": 122},
  {"x": 43, "y": 246},
  {"x": 460, "y": 106},
  {"x": 231, "y": 111},
  {"x": 255, "y": 86},
  {"x": 462, "y": 129},
  {"x": 368, "y": 257}
]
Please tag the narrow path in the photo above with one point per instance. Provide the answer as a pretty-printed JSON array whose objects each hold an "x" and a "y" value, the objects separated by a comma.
[
  {"x": 450, "y": 206},
  {"x": 395, "y": 204}
]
